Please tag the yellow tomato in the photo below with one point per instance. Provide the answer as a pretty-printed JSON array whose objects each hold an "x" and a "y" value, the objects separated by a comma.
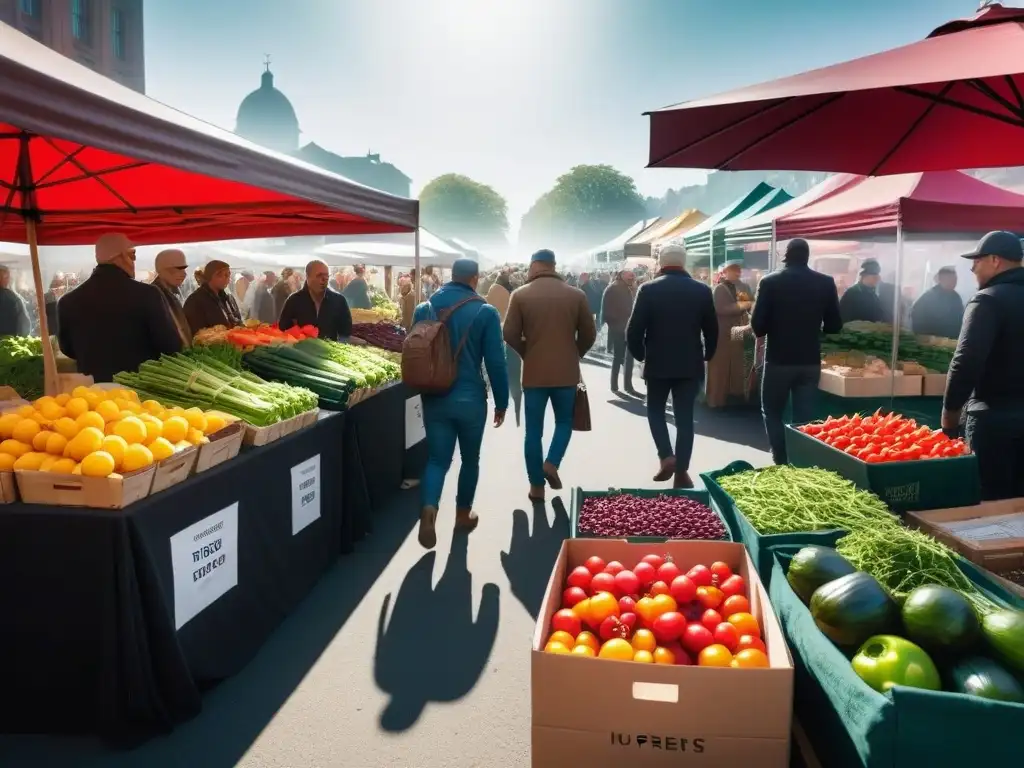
[
  {"x": 26, "y": 411},
  {"x": 617, "y": 649},
  {"x": 7, "y": 423},
  {"x": 85, "y": 442},
  {"x": 48, "y": 462},
  {"x": 108, "y": 410},
  {"x": 39, "y": 441},
  {"x": 80, "y": 391},
  {"x": 644, "y": 657},
  {"x": 67, "y": 427},
  {"x": 136, "y": 456},
  {"x": 154, "y": 427},
  {"x": 175, "y": 428},
  {"x": 90, "y": 419},
  {"x": 30, "y": 461},
  {"x": 195, "y": 437},
  {"x": 62, "y": 399},
  {"x": 97, "y": 464},
  {"x": 644, "y": 640},
  {"x": 588, "y": 639},
  {"x": 556, "y": 648},
  {"x": 15, "y": 448},
  {"x": 51, "y": 411},
  {"x": 161, "y": 449},
  {"x": 214, "y": 423},
  {"x": 152, "y": 406},
  {"x": 26, "y": 430},
  {"x": 196, "y": 419},
  {"x": 132, "y": 429},
  {"x": 56, "y": 443},
  {"x": 115, "y": 446},
  {"x": 563, "y": 637},
  {"x": 584, "y": 650},
  {"x": 664, "y": 656},
  {"x": 63, "y": 466},
  {"x": 7, "y": 462}
]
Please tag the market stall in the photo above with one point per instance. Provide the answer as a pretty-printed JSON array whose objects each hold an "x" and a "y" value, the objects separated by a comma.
[{"x": 705, "y": 240}]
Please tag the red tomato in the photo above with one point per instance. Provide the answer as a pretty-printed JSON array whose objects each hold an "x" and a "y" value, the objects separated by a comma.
[
  {"x": 682, "y": 589},
  {"x": 735, "y": 604},
  {"x": 646, "y": 573},
  {"x": 602, "y": 605},
  {"x": 681, "y": 656},
  {"x": 745, "y": 623},
  {"x": 594, "y": 564},
  {"x": 627, "y": 604},
  {"x": 700, "y": 575},
  {"x": 627, "y": 582},
  {"x": 710, "y": 597},
  {"x": 720, "y": 571},
  {"x": 669, "y": 626},
  {"x": 614, "y": 567},
  {"x": 749, "y": 641},
  {"x": 734, "y": 585},
  {"x": 696, "y": 638},
  {"x": 711, "y": 619},
  {"x": 603, "y": 582},
  {"x": 566, "y": 621},
  {"x": 611, "y": 627},
  {"x": 580, "y": 577},
  {"x": 573, "y": 595},
  {"x": 668, "y": 572},
  {"x": 629, "y": 619},
  {"x": 726, "y": 634},
  {"x": 659, "y": 588},
  {"x": 654, "y": 561}
]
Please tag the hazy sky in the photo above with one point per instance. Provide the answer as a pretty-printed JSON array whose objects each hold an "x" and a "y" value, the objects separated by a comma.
[{"x": 510, "y": 92}]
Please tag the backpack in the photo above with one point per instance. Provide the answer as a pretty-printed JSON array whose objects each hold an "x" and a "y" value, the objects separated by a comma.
[{"x": 428, "y": 363}]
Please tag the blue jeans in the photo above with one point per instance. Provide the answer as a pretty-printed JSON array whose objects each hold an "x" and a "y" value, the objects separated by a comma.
[
  {"x": 777, "y": 384},
  {"x": 448, "y": 421},
  {"x": 563, "y": 402},
  {"x": 684, "y": 393}
]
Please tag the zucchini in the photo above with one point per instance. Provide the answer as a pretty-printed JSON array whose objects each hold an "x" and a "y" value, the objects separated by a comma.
[
  {"x": 852, "y": 608},
  {"x": 978, "y": 676},
  {"x": 814, "y": 566},
  {"x": 940, "y": 620},
  {"x": 1004, "y": 631}
]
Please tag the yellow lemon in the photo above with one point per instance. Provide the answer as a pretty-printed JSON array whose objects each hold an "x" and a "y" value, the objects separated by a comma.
[
  {"x": 48, "y": 462},
  {"x": 196, "y": 419},
  {"x": 62, "y": 399},
  {"x": 151, "y": 406},
  {"x": 76, "y": 407},
  {"x": 15, "y": 448},
  {"x": 85, "y": 442},
  {"x": 63, "y": 466},
  {"x": 92, "y": 399},
  {"x": 26, "y": 430},
  {"x": 97, "y": 464},
  {"x": 6, "y": 462},
  {"x": 154, "y": 427},
  {"x": 51, "y": 411},
  {"x": 136, "y": 457},
  {"x": 30, "y": 461},
  {"x": 43, "y": 401},
  {"x": 175, "y": 428},
  {"x": 39, "y": 441},
  {"x": 55, "y": 444},
  {"x": 214, "y": 423},
  {"x": 128, "y": 405},
  {"x": 115, "y": 445},
  {"x": 108, "y": 410},
  {"x": 25, "y": 411},
  {"x": 80, "y": 391},
  {"x": 90, "y": 419},
  {"x": 161, "y": 449},
  {"x": 67, "y": 427},
  {"x": 131, "y": 429},
  {"x": 77, "y": 470},
  {"x": 40, "y": 419},
  {"x": 7, "y": 424},
  {"x": 177, "y": 410}
]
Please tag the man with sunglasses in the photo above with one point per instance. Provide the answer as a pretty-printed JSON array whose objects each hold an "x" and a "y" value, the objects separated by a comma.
[{"x": 112, "y": 322}]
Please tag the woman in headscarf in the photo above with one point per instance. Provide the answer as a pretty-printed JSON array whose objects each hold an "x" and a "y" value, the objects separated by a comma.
[
  {"x": 211, "y": 304},
  {"x": 727, "y": 376},
  {"x": 498, "y": 296}
]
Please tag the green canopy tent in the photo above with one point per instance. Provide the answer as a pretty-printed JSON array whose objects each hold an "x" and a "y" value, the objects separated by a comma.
[{"x": 707, "y": 240}]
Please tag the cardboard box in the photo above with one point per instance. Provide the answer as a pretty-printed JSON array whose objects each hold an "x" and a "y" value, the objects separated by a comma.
[
  {"x": 78, "y": 491},
  {"x": 224, "y": 445},
  {"x": 934, "y": 385},
  {"x": 174, "y": 469},
  {"x": 869, "y": 386},
  {"x": 8, "y": 488},
  {"x": 990, "y": 534},
  {"x": 600, "y": 712}
]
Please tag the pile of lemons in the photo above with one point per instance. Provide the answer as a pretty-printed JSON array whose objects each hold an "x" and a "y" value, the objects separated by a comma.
[{"x": 98, "y": 432}]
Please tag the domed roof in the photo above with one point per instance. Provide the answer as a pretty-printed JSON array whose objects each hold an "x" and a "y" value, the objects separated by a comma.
[{"x": 266, "y": 117}]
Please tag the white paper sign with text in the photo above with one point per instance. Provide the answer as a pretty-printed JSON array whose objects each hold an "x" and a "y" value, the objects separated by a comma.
[
  {"x": 414, "y": 429},
  {"x": 204, "y": 561},
  {"x": 305, "y": 493}
]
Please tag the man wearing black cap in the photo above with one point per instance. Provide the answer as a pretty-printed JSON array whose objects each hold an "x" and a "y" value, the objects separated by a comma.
[
  {"x": 861, "y": 302},
  {"x": 987, "y": 372},
  {"x": 792, "y": 308},
  {"x": 940, "y": 311}
]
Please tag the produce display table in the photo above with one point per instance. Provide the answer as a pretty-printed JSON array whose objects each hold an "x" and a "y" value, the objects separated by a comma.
[
  {"x": 927, "y": 410},
  {"x": 118, "y": 619}
]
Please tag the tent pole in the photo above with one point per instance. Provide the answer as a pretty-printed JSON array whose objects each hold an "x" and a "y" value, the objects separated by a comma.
[
  {"x": 897, "y": 315},
  {"x": 51, "y": 381},
  {"x": 416, "y": 266},
  {"x": 772, "y": 249}
]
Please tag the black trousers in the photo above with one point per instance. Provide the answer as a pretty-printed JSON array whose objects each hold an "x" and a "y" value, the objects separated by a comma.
[
  {"x": 778, "y": 383},
  {"x": 620, "y": 355},
  {"x": 684, "y": 395},
  {"x": 997, "y": 438}
]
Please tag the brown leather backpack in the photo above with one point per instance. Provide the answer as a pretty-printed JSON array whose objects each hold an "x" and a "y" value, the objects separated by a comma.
[{"x": 428, "y": 363}]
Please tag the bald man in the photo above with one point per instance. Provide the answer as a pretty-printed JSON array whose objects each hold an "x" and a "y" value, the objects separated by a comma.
[{"x": 317, "y": 304}]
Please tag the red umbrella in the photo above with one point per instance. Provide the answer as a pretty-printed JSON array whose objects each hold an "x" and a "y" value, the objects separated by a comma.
[{"x": 953, "y": 100}]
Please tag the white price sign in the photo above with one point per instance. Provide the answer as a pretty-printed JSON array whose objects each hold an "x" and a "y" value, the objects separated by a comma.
[
  {"x": 414, "y": 429},
  {"x": 204, "y": 561},
  {"x": 305, "y": 493}
]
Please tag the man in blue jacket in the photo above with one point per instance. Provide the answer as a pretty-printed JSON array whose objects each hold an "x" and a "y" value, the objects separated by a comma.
[{"x": 460, "y": 415}]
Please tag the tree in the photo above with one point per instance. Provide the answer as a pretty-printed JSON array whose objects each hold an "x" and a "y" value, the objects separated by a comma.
[
  {"x": 587, "y": 206},
  {"x": 453, "y": 205}
]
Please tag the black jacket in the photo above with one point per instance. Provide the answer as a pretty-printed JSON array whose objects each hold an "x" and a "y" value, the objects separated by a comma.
[
  {"x": 112, "y": 323},
  {"x": 334, "y": 320},
  {"x": 205, "y": 309},
  {"x": 670, "y": 316},
  {"x": 14, "y": 320},
  {"x": 938, "y": 312},
  {"x": 793, "y": 306},
  {"x": 860, "y": 302},
  {"x": 988, "y": 362}
]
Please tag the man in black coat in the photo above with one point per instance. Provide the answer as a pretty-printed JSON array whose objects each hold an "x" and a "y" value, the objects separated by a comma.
[
  {"x": 14, "y": 320},
  {"x": 940, "y": 311},
  {"x": 673, "y": 330},
  {"x": 792, "y": 308},
  {"x": 986, "y": 376},
  {"x": 316, "y": 304},
  {"x": 861, "y": 302},
  {"x": 112, "y": 322}
]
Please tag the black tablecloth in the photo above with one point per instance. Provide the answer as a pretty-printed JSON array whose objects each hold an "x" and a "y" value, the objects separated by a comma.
[
  {"x": 416, "y": 454},
  {"x": 88, "y": 642}
]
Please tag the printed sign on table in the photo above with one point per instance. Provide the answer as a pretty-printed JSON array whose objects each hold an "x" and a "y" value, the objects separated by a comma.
[
  {"x": 414, "y": 429},
  {"x": 204, "y": 560},
  {"x": 305, "y": 493}
]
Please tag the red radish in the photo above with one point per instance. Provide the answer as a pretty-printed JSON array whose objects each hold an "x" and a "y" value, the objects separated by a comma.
[
  {"x": 726, "y": 634},
  {"x": 668, "y": 572},
  {"x": 573, "y": 595},
  {"x": 734, "y": 585},
  {"x": 613, "y": 627},
  {"x": 603, "y": 582},
  {"x": 720, "y": 571},
  {"x": 627, "y": 604},
  {"x": 700, "y": 575},
  {"x": 682, "y": 589},
  {"x": 580, "y": 577},
  {"x": 594, "y": 564},
  {"x": 711, "y": 619},
  {"x": 629, "y": 619},
  {"x": 566, "y": 621},
  {"x": 668, "y": 627},
  {"x": 696, "y": 638},
  {"x": 627, "y": 582},
  {"x": 659, "y": 588},
  {"x": 646, "y": 573},
  {"x": 614, "y": 567},
  {"x": 654, "y": 561}
]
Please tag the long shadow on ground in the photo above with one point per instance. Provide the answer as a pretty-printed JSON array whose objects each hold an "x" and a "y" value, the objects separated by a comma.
[
  {"x": 431, "y": 649},
  {"x": 236, "y": 711},
  {"x": 531, "y": 556}
]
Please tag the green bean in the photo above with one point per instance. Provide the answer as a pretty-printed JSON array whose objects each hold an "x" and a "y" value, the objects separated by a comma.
[{"x": 788, "y": 499}]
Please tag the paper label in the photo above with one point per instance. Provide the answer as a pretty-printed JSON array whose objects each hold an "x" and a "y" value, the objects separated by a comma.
[
  {"x": 305, "y": 493},
  {"x": 204, "y": 561},
  {"x": 414, "y": 429}
]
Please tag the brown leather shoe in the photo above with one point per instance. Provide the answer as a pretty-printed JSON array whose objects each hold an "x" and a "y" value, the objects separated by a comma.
[
  {"x": 536, "y": 494},
  {"x": 551, "y": 475},
  {"x": 682, "y": 480},
  {"x": 667, "y": 470},
  {"x": 466, "y": 520},
  {"x": 428, "y": 532}
]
